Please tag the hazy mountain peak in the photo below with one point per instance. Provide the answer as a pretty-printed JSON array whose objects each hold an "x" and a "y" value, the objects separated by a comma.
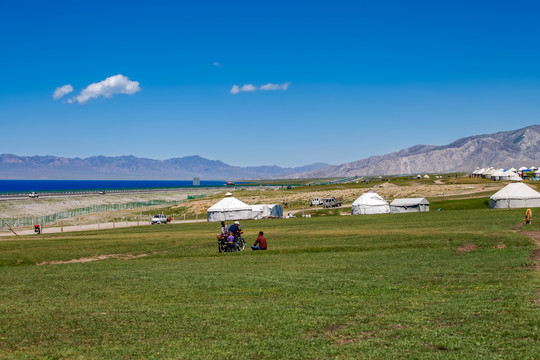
[{"x": 502, "y": 149}]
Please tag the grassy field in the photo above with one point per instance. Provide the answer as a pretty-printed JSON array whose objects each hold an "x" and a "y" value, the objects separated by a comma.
[{"x": 449, "y": 284}]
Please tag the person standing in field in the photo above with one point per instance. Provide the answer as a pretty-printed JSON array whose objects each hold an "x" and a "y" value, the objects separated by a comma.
[{"x": 261, "y": 241}]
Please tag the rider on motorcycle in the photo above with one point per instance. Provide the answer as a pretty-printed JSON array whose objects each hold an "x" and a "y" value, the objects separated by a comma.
[
  {"x": 235, "y": 229},
  {"x": 224, "y": 228}
]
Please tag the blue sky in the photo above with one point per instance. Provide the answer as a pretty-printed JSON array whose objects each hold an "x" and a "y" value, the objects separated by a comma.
[{"x": 348, "y": 79}]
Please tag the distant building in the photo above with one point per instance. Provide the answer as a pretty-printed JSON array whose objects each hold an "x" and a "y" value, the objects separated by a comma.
[{"x": 196, "y": 181}]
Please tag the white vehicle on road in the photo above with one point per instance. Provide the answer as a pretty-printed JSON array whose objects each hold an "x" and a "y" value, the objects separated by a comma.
[
  {"x": 33, "y": 195},
  {"x": 315, "y": 201},
  {"x": 159, "y": 219}
]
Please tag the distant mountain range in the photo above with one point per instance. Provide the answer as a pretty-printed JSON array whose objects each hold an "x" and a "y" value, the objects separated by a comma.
[
  {"x": 131, "y": 167},
  {"x": 503, "y": 149}
]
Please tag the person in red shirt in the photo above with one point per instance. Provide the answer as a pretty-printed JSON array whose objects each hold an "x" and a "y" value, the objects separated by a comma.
[{"x": 261, "y": 241}]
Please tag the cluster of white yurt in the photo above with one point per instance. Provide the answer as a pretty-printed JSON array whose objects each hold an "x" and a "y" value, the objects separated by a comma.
[
  {"x": 515, "y": 195},
  {"x": 512, "y": 174},
  {"x": 230, "y": 208}
]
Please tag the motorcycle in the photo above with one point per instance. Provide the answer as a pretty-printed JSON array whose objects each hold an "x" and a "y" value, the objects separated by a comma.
[{"x": 223, "y": 246}]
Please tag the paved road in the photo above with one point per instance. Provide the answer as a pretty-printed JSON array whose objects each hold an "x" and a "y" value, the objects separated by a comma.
[{"x": 102, "y": 226}]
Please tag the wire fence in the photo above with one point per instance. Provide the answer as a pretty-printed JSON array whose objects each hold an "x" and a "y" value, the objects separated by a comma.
[{"x": 51, "y": 218}]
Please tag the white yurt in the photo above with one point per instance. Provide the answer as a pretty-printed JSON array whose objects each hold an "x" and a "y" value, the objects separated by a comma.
[
  {"x": 515, "y": 195},
  {"x": 496, "y": 175},
  {"x": 487, "y": 173},
  {"x": 230, "y": 208},
  {"x": 480, "y": 172},
  {"x": 409, "y": 205},
  {"x": 511, "y": 176},
  {"x": 370, "y": 203}
]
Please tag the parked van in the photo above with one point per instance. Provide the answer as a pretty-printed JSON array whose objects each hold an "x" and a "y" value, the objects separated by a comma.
[{"x": 315, "y": 202}]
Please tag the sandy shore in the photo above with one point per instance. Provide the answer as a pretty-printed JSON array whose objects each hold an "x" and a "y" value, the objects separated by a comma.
[{"x": 18, "y": 208}]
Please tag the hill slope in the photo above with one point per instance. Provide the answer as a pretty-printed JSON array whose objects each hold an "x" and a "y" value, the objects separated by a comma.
[{"x": 503, "y": 149}]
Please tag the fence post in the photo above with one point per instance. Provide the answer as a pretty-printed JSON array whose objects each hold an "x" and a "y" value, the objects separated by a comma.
[
  {"x": 80, "y": 225},
  {"x": 184, "y": 217},
  {"x": 113, "y": 223},
  {"x": 196, "y": 217},
  {"x": 98, "y": 223}
]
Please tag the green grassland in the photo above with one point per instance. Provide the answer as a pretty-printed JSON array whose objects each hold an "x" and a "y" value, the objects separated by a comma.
[{"x": 345, "y": 287}]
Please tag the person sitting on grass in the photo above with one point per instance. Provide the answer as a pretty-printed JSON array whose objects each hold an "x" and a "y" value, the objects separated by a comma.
[
  {"x": 231, "y": 241},
  {"x": 261, "y": 241}
]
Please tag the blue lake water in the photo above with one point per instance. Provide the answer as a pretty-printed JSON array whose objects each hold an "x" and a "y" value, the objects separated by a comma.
[{"x": 22, "y": 186}]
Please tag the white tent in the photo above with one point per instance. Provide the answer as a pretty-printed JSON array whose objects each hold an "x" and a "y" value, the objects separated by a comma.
[
  {"x": 276, "y": 210},
  {"x": 230, "y": 208},
  {"x": 267, "y": 211},
  {"x": 261, "y": 210},
  {"x": 480, "y": 172},
  {"x": 487, "y": 174},
  {"x": 496, "y": 175},
  {"x": 409, "y": 205},
  {"x": 509, "y": 176},
  {"x": 515, "y": 195},
  {"x": 370, "y": 203}
]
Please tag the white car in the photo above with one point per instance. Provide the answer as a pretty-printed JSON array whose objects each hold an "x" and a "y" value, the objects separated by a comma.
[
  {"x": 33, "y": 195},
  {"x": 159, "y": 219},
  {"x": 315, "y": 201}
]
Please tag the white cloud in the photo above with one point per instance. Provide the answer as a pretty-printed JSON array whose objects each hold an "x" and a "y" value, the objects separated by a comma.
[
  {"x": 117, "y": 84},
  {"x": 61, "y": 91},
  {"x": 271, "y": 86},
  {"x": 250, "y": 87},
  {"x": 216, "y": 64},
  {"x": 246, "y": 88}
]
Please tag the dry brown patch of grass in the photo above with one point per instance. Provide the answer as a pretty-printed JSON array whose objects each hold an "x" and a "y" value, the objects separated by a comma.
[
  {"x": 468, "y": 247},
  {"x": 95, "y": 258}
]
